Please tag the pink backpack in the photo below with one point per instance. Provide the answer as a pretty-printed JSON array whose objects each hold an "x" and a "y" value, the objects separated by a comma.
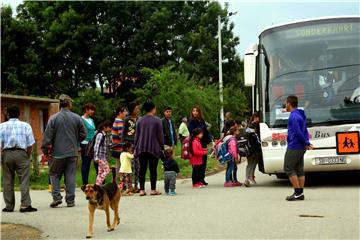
[{"x": 185, "y": 148}]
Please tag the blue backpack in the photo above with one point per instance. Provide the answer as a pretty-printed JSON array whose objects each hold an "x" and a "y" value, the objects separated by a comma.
[{"x": 222, "y": 152}]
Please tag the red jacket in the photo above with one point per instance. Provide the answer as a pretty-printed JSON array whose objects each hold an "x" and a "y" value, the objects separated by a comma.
[{"x": 199, "y": 151}]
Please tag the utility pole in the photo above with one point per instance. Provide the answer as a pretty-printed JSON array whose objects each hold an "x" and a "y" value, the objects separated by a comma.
[{"x": 221, "y": 88}]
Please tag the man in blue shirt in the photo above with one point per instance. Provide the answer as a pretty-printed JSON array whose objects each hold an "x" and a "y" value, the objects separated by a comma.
[
  {"x": 16, "y": 140},
  {"x": 298, "y": 143}
]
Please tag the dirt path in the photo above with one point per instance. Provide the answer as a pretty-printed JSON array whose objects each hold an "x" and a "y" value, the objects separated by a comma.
[{"x": 18, "y": 231}]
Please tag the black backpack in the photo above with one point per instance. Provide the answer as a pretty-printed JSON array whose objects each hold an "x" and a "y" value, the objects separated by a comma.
[
  {"x": 248, "y": 142},
  {"x": 89, "y": 149}
]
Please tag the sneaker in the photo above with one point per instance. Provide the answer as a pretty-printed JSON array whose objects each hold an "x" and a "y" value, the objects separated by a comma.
[
  {"x": 295, "y": 197},
  {"x": 71, "y": 204},
  {"x": 172, "y": 193},
  {"x": 237, "y": 184},
  {"x": 135, "y": 190},
  {"x": 7, "y": 210},
  {"x": 247, "y": 183},
  {"x": 28, "y": 209},
  {"x": 228, "y": 184},
  {"x": 55, "y": 203},
  {"x": 205, "y": 183},
  {"x": 196, "y": 185}
]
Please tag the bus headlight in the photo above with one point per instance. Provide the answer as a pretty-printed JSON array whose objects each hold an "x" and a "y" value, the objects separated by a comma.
[
  {"x": 274, "y": 143},
  {"x": 264, "y": 144},
  {"x": 283, "y": 143}
]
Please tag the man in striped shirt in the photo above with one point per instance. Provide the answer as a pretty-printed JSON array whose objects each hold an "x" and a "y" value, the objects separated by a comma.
[{"x": 16, "y": 140}]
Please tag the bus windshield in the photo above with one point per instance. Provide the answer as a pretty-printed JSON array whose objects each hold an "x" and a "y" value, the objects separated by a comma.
[{"x": 319, "y": 62}]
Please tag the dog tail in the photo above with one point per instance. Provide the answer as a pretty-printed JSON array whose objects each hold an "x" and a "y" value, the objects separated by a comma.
[{"x": 113, "y": 170}]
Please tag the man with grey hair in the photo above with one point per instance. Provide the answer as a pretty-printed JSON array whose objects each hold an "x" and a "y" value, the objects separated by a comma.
[
  {"x": 64, "y": 131},
  {"x": 183, "y": 130}
]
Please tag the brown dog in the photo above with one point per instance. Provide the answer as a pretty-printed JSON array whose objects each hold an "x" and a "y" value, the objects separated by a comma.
[{"x": 103, "y": 197}]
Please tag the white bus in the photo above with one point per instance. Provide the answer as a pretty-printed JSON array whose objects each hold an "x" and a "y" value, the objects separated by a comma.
[{"x": 318, "y": 60}]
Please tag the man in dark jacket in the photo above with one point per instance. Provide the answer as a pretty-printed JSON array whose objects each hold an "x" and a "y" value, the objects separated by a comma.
[
  {"x": 63, "y": 134},
  {"x": 298, "y": 143},
  {"x": 170, "y": 138}
]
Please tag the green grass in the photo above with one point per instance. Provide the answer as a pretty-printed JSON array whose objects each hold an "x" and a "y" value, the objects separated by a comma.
[{"x": 41, "y": 181}]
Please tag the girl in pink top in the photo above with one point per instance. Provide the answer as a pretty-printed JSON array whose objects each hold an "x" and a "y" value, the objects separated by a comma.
[
  {"x": 196, "y": 155},
  {"x": 231, "y": 170}
]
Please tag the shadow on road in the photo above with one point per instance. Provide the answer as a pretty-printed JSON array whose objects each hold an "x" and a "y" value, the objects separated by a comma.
[
  {"x": 322, "y": 179},
  {"x": 343, "y": 179}
]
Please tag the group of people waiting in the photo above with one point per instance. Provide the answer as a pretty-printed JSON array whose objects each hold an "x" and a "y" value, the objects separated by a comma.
[{"x": 137, "y": 143}]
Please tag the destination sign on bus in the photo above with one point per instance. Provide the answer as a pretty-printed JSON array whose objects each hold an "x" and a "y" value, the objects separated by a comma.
[{"x": 322, "y": 30}]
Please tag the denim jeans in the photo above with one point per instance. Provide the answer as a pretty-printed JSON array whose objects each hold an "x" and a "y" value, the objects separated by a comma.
[
  {"x": 169, "y": 181},
  {"x": 68, "y": 167},
  {"x": 231, "y": 172}
]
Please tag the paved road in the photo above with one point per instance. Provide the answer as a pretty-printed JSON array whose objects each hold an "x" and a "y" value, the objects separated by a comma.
[{"x": 215, "y": 212}]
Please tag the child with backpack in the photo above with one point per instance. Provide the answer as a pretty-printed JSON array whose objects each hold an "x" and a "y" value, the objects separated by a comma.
[
  {"x": 101, "y": 148},
  {"x": 171, "y": 170},
  {"x": 253, "y": 130},
  {"x": 196, "y": 155},
  {"x": 231, "y": 169},
  {"x": 125, "y": 167}
]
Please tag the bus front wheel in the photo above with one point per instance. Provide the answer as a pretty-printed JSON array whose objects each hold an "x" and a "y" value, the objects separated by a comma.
[{"x": 281, "y": 176}]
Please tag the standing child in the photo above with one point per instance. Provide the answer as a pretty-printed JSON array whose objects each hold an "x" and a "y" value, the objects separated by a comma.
[
  {"x": 101, "y": 151},
  {"x": 196, "y": 157},
  {"x": 171, "y": 170},
  {"x": 125, "y": 167},
  {"x": 253, "y": 130},
  {"x": 231, "y": 170}
]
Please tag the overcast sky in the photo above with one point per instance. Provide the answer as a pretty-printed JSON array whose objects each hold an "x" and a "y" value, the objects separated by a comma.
[{"x": 254, "y": 16}]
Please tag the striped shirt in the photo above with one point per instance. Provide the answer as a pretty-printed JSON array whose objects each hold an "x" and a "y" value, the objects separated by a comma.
[
  {"x": 116, "y": 132},
  {"x": 101, "y": 147},
  {"x": 16, "y": 134}
]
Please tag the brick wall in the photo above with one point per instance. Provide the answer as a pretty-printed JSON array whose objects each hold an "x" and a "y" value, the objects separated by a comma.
[{"x": 31, "y": 112}]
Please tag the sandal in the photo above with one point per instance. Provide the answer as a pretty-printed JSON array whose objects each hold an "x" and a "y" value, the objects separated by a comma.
[
  {"x": 127, "y": 193},
  {"x": 142, "y": 193},
  {"x": 154, "y": 193}
]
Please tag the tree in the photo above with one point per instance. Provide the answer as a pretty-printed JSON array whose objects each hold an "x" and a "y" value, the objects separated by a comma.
[
  {"x": 70, "y": 46},
  {"x": 20, "y": 62},
  {"x": 167, "y": 87}
]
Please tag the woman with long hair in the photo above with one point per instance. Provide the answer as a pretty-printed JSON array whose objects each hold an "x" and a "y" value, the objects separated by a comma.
[{"x": 197, "y": 121}]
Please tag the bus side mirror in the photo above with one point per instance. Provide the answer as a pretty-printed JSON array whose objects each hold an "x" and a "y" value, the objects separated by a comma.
[{"x": 250, "y": 65}]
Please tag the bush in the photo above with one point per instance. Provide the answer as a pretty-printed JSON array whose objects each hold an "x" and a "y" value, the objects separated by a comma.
[{"x": 166, "y": 87}]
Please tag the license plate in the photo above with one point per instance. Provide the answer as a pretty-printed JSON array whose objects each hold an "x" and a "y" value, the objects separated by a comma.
[{"x": 330, "y": 160}]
